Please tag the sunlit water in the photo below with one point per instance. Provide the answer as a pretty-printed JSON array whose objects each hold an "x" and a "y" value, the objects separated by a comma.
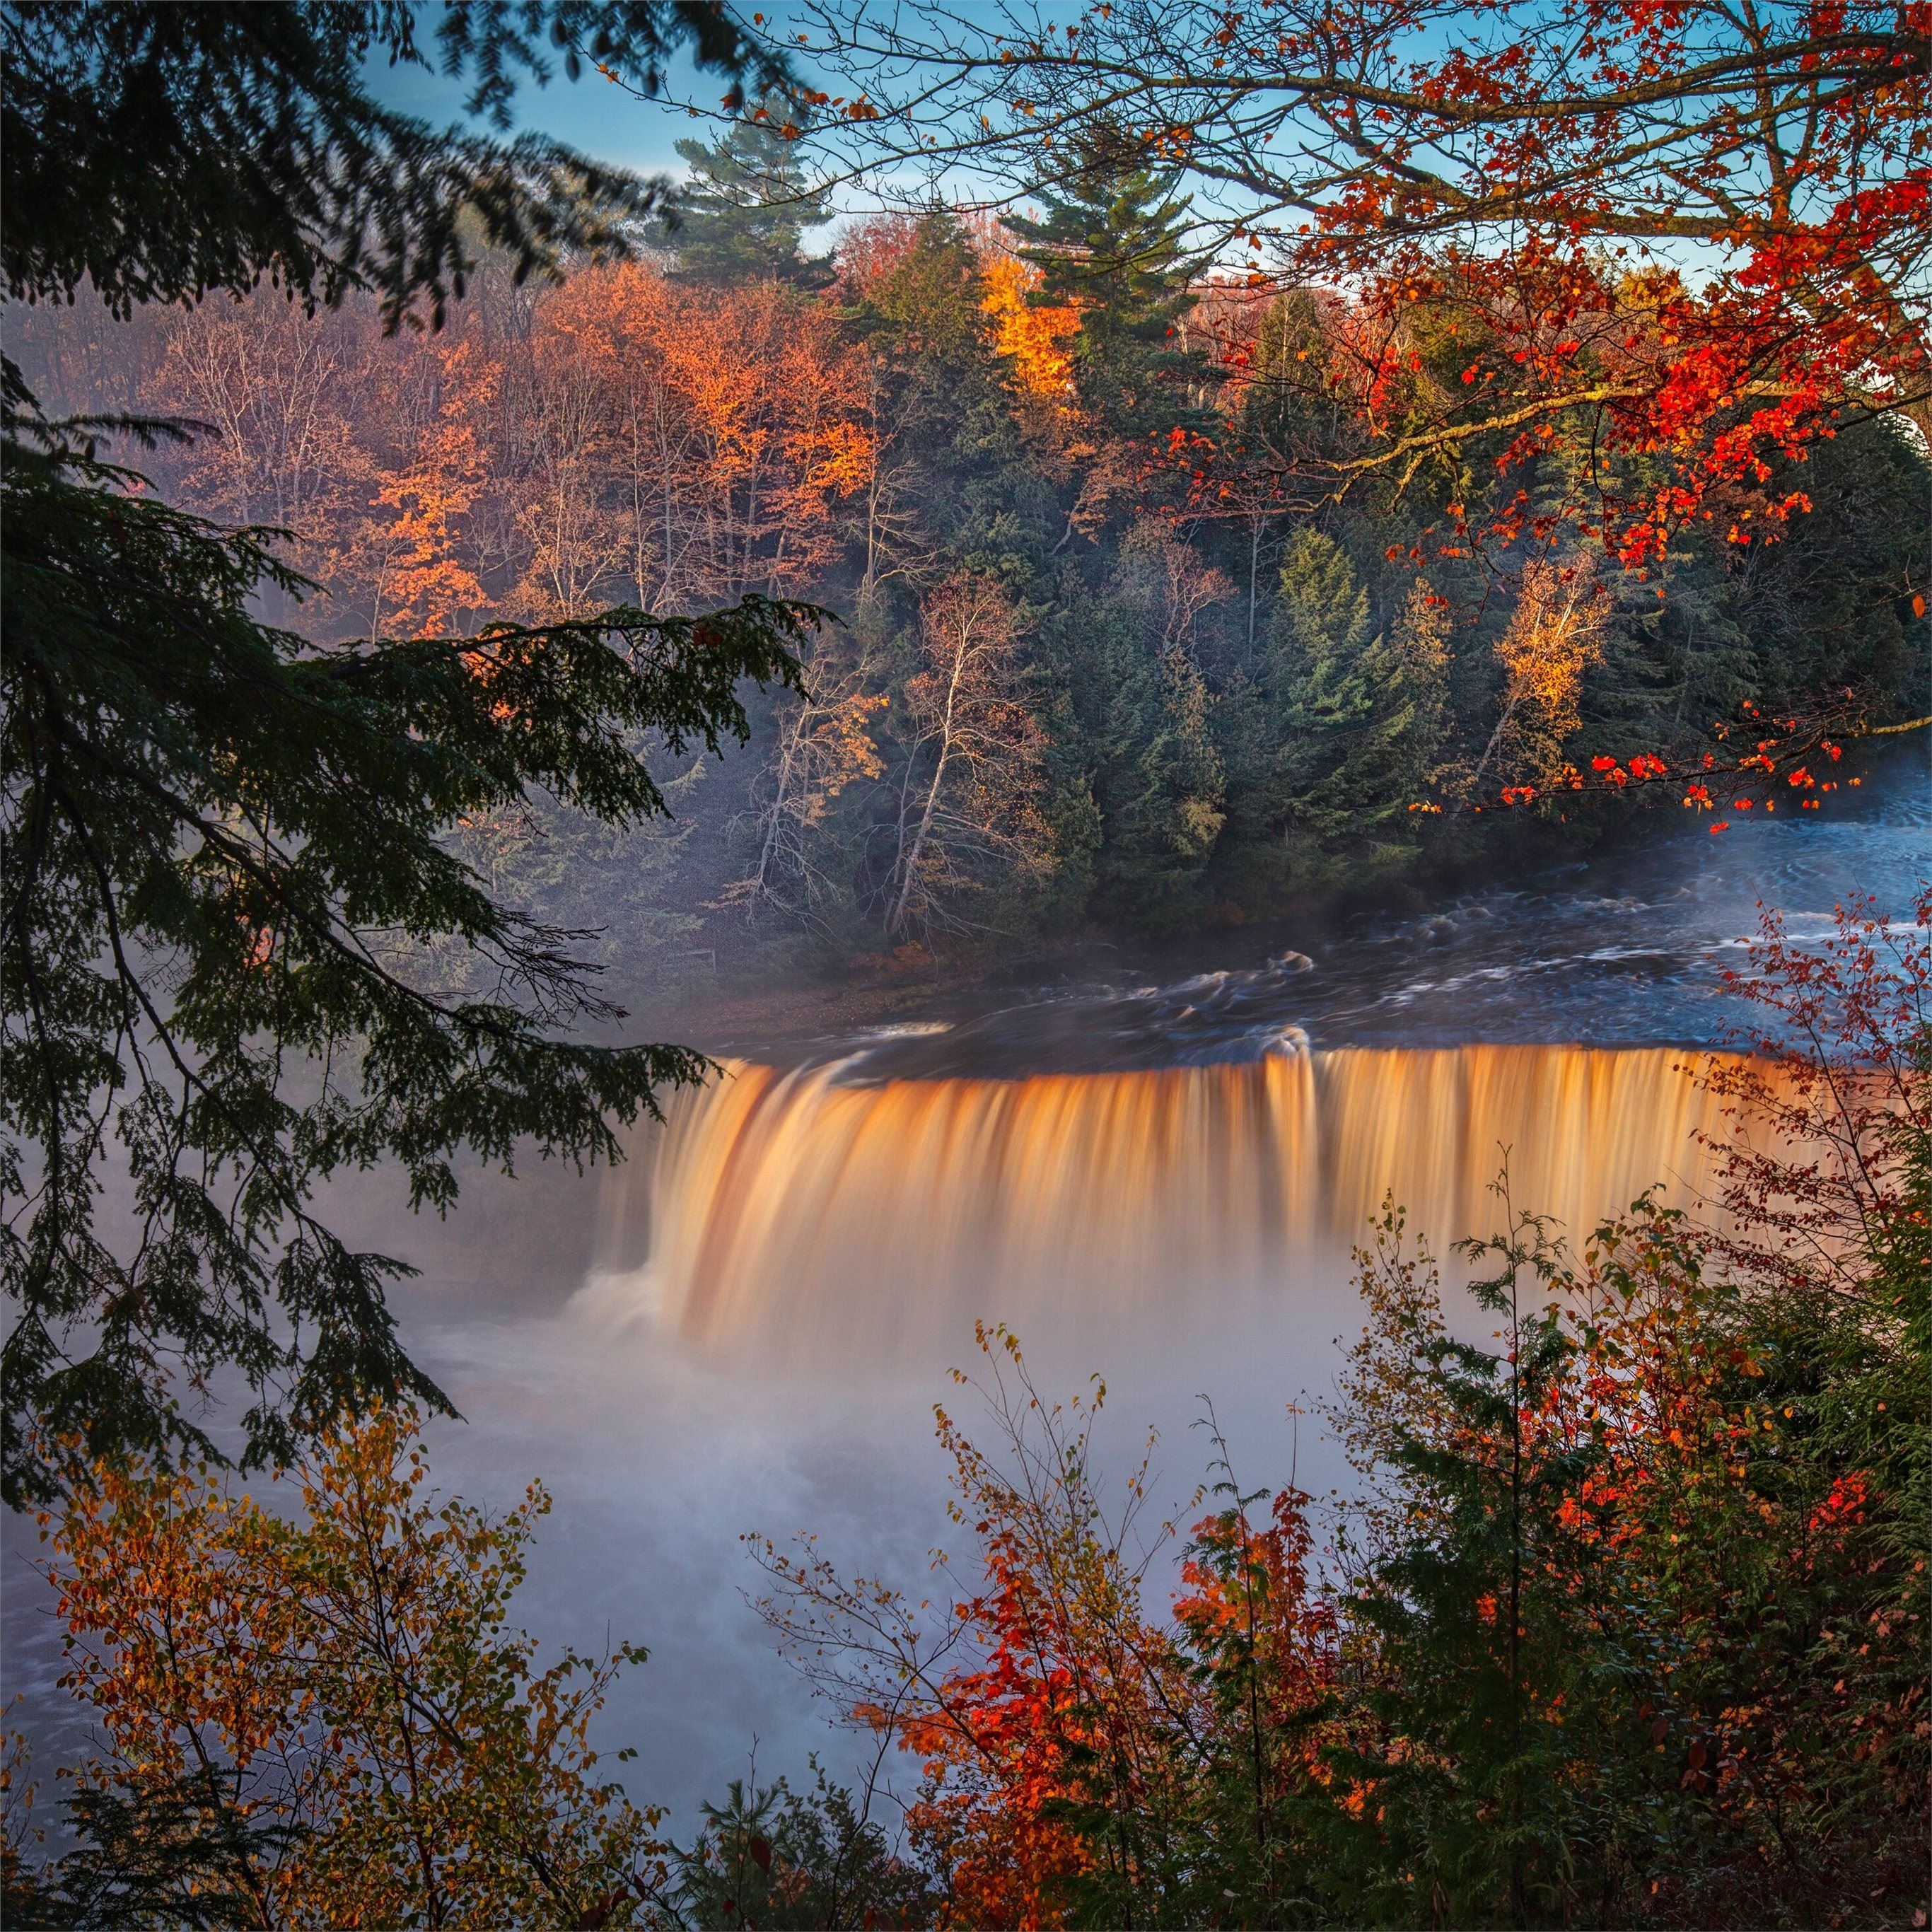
[{"x": 1153, "y": 1171}]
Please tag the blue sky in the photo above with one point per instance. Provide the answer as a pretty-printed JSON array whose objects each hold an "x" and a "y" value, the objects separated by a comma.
[
  {"x": 600, "y": 119},
  {"x": 595, "y": 116}
]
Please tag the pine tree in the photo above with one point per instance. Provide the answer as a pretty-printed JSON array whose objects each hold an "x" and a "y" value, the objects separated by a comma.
[
  {"x": 1113, "y": 243},
  {"x": 1361, "y": 714},
  {"x": 1473, "y": 1593},
  {"x": 1140, "y": 725},
  {"x": 930, "y": 302},
  {"x": 746, "y": 210},
  {"x": 1153, "y": 770},
  {"x": 1320, "y": 620}
]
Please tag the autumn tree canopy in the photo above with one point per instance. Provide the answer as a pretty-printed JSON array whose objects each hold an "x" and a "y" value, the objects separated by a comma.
[
  {"x": 321, "y": 1717},
  {"x": 1705, "y": 233}
]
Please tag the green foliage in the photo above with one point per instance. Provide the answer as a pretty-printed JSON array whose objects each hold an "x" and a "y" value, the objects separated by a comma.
[
  {"x": 770, "y": 1856},
  {"x": 225, "y": 857},
  {"x": 1144, "y": 727},
  {"x": 176, "y": 1856},
  {"x": 1322, "y": 620},
  {"x": 1472, "y": 1599},
  {"x": 1829, "y": 602},
  {"x": 969, "y": 495},
  {"x": 926, "y": 308},
  {"x": 746, "y": 207},
  {"x": 1647, "y": 1615},
  {"x": 1290, "y": 408},
  {"x": 1348, "y": 726}
]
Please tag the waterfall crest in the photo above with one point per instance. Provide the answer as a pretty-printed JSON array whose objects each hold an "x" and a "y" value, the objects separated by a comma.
[{"x": 809, "y": 1212}]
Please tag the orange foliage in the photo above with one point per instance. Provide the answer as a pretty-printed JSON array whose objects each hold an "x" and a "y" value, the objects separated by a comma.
[
  {"x": 420, "y": 585},
  {"x": 1037, "y": 337},
  {"x": 623, "y": 439},
  {"x": 1554, "y": 635},
  {"x": 345, "y": 1677},
  {"x": 737, "y": 419},
  {"x": 1045, "y": 1689}
]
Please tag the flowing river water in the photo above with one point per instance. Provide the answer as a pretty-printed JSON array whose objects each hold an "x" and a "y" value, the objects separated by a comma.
[{"x": 1153, "y": 1172}]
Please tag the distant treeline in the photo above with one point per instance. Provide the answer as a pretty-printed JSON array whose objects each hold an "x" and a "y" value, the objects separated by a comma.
[{"x": 1115, "y": 650}]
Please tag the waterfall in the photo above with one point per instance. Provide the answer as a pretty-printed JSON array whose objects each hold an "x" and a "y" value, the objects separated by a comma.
[{"x": 813, "y": 1212}]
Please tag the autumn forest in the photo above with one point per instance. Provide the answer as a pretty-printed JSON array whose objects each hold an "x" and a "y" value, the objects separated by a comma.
[
  {"x": 1233, "y": 700},
  {"x": 1108, "y": 651}
]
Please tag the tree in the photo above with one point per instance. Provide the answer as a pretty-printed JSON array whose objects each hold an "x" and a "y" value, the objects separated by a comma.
[
  {"x": 1554, "y": 635},
  {"x": 1035, "y": 337},
  {"x": 1146, "y": 739},
  {"x": 969, "y": 792},
  {"x": 248, "y": 831},
  {"x": 732, "y": 422},
  {"x": 1292, "y": 424},
  {"x": 1476, "y": 1581},
  {"x": 323, "y": 1720},
  {"x": 273, "y": 390},
  {"x": 1357, "y": 717},
  {"x": 745, "y": 209},
  {"x": 1112, "y": 245},
  {"x": 572, "y": 538},
  {"x": 961, "y": 488},
  {"x": 1035, "y": 1702},
  {"x": 1288, "y": 402},
  {"x": 826, "y": 746},
  {"x": 418, "y": 581},
  {"x": 223, "y": 851},
  {"x": 778, "y": 1858},
  {"x": 1849, "y": 620}
]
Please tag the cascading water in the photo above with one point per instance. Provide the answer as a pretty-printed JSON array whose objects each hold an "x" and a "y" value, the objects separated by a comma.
[{"x": 818, "y": 1214}]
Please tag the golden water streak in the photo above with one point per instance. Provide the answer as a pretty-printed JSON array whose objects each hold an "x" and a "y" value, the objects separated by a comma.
[{"x": 790, "y": 1208}]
